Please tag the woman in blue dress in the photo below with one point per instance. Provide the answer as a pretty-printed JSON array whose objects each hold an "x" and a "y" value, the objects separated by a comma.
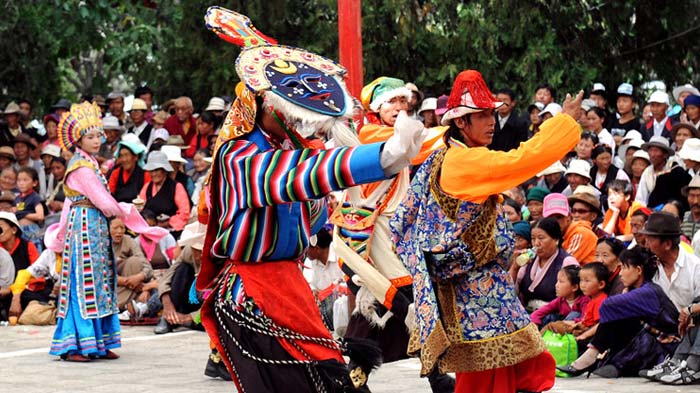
[{"x": 87, "y": 325}]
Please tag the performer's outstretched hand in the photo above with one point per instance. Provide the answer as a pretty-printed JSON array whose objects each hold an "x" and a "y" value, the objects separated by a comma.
[
  {"x": 403, "y": 145},
  {"x": 572, "y": 106}
]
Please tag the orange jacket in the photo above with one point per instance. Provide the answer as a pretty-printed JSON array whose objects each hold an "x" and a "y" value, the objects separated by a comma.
[{"x": 580, "y": 241}]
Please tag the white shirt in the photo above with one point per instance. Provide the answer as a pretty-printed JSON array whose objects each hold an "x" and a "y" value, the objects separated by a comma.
[
  {"x": 137, "y": 130},
  {"x": 606, "y": 138},
  {"x": 503, "y": 120},
  {"x": 684, "y": 285},
  {"x": 659, "y": 126},
  {"x": 647, "y": 182},
  {"x": 7, "y": 269},
  {"x": 319, "y": 275}
]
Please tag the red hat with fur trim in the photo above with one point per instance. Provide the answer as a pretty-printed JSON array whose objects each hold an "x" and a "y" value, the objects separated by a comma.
[{"x": 469, "y": 95}]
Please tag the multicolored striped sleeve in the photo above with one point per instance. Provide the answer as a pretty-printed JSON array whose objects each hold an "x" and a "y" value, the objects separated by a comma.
[{"x": 280, "y": 176}]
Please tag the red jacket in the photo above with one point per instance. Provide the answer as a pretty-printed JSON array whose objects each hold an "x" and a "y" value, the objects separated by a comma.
[{"x": 174, "y": 127}]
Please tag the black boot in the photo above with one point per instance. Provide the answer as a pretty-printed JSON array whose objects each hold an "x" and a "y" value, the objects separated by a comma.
[
  {"x": 441, "y": 383},
  {"x": 216, "y": 368}
]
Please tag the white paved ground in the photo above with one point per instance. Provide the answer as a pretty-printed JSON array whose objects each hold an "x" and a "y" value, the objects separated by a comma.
[{"x": 175, "y": 363}]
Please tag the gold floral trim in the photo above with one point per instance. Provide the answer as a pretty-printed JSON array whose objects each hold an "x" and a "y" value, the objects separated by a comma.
[
  {"x": 480, "y": 235},
  {"x": 479, "y": 355}
]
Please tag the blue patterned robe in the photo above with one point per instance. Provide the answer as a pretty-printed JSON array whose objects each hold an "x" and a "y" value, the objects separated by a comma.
[{"x": 469, "y": 316}]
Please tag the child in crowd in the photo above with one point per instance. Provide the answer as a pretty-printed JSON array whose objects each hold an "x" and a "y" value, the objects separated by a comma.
[
  {"x": 570, "y": 301},
  {"x": 593, "y": 281},
  {"x": 608, "y": 252},
  {"x": 30, "y": 211}
]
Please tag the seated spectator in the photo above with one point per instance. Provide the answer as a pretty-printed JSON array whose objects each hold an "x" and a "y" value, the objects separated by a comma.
[
  {"x": 659, "y": 153},
  {"x": 570, "y": 301},
  {"x": 23, "y": 253},
  {"x": 56, "y": 196},
  {"x": 621, "y": 207},
  {"x": 182, "y": 123},
  {"x": 635, "y": 326},
  {"x": 608, "y": 252},
  {"x": 51, "y": 125},
  {"x": 216, "y": 106},
  {"x": 7, "y": 157},
  {"x": 585, "y": 146},
  {"x": 174, "y": 287},
  {"x": 24, "y": 148},
  {"x": 669, "y": 186},
  {"x": 427, "y": 112},
  {"x": 164, "y": 195},
  {"x": 638, "y": 164},
  {"x": 684, "y": 367},
  {"x": 679, "y": 270},
  {"x": 533, "y": 111},
  {"x": 679, "y": 134},
  {"x": 113, "y": 133},
  {"x": 689, "y": 156},
  {"x": 578, "y": 174},
  {"x": 585, "y": 206},
  {"x": 535, "y": 200},
  {"x": 128, "y": 177},
  {"x": 7, "y": 277},
  {"x": 200, "y": 165},
  {"x": 44, "y": 272},
  {"x": 523, "y": 235},
  {"x": 178, "y": 163},
  {"x": 596, "y": 124},
  {"x": 7, "y": 202},
  {"x": 536, "y": 281},
  {"x": 48, "y": 153},
  {"x": 207, "y": 124},
  {"x": 29, "y": 207},
  {"x": 579, "y": 240},
  {"x": 8, "y": 180},
  {"x": 637, "y": 223},
  {"x": 161, "y": 255},
  {"x": 512, "y": 209},
  {"x": 631, "y": 143},
  {"x": 141, "y": 129},
  {"x": 133, "y": 270},
  {"x": 660, "y": 124},
  {"x": 159, "y": 137},
  {"x": 553, "y": 178},
  {"x": 603, "y": 172}
]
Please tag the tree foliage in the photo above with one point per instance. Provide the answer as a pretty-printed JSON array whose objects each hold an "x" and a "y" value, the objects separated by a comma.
[{"x": 54, "y": 48}]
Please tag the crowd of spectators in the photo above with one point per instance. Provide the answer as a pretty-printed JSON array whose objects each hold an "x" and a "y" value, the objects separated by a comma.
[{"x": 630, "y": 184}]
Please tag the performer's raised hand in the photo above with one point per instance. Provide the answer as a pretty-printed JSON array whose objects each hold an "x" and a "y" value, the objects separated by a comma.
[
  {"x": 403, "y": 145},
  {"x": 572, "y": 106}
]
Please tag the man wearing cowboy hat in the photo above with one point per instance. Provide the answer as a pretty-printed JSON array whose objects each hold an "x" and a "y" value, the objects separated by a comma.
[
  {"x": 12, "y": 126},
  {"x": 680, "y": 93},
  {"x": 679, "y": 270},
  {"x": 113, "y": 134},
  {"x": 659, "y": 151},
  {"x": 141, "y": 128},
  {"x": 660, "y": 124},
  {"x": 691, "y": 219},
  {"x": 24, "y": 146}
]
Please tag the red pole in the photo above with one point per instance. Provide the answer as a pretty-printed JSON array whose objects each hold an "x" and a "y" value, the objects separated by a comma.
[{"x": 350, "y": 37}]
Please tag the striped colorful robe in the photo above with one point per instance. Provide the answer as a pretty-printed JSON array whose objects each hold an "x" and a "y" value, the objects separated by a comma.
[{"x": 261, "y": 217}]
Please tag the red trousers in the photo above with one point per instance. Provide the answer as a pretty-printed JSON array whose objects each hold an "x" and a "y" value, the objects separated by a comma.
[{"x": 534, "y": 375}]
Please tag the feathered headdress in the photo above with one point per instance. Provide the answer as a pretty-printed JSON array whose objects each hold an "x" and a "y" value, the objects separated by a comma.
[{"x": 77, "y": 122}]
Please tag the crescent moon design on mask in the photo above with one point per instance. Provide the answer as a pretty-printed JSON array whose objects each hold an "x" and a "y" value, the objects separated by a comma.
[{"x": 284, "y": 67}]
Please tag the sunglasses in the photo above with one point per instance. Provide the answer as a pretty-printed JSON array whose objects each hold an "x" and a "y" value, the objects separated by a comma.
[{"x": 580, "y": 211}]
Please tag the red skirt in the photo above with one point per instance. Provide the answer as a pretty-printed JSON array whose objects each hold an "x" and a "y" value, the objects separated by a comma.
[{"x": 535, "y": 375}]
